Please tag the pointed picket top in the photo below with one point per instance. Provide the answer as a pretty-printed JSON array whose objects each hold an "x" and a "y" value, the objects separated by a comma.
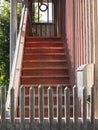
[
  {"x": 92, "y": 109},
  {"x": 67, "y": 107},
  {"x": 41, "y": 110},
  {"x": 84, "y": 109},
  {"x": 75, "y": 107}
]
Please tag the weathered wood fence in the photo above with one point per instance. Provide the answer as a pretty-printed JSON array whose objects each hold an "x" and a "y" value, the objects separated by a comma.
[{"x": 50, "y": 123}]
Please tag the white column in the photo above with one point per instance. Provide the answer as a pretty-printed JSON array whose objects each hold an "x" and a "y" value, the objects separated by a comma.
[{"x": 13, "y": 29}]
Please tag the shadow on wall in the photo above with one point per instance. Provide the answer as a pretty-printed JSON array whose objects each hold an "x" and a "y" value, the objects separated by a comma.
[{"x": 70, "y": 61}]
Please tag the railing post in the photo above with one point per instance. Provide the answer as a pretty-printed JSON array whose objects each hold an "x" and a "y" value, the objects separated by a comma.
[
  {"x": 13, "y": 30},
  {"x": 12, "y": 108}
]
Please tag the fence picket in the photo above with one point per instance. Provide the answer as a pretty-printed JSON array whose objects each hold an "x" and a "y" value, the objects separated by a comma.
[
  {"x": 59, "y": 106},
  {"x": 84, "y": 110},
  {"x": 92, "y": 114},
  {"x": 40, "y": 107},
  {"x": 50, "y": 107},
  {"x": 3, "y": 100},
  {"x": 22, "y": 102},
  {"x": 67, "y": 107},
  {"x": 12, "y": 109},
  {"x": 31, "y": 108},
  {"x": 75, "y": 107},
  {"x": 50, "y": 123}
]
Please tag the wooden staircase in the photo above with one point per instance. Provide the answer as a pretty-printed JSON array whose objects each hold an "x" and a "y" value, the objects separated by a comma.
[{"x": 45, "y": 63}]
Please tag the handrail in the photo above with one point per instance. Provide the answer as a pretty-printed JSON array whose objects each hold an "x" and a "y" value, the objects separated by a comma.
[{"x": 17, "y": 63}]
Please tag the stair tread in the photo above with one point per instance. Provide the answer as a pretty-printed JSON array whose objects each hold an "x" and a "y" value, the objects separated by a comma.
[
  {"x": 44, "y": 61},
  {"x": 44, "y": 47},
  {"x": 42, "y": 54},
  {"x": 42, "y": 42},
  {"x": 45, "y": 68},
  {"x": 46, "y": 76}
]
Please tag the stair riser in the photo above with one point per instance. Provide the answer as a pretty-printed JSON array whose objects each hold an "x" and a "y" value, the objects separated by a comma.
[
  {"x": 44, "y": 64},
  {"x": 44, "y": 45},
  {"x": 44, "y": 72},
  {"x": 45, "y": 80},
  {"x": 30, "y": 39},
  {"x": 44, "y": 57},
  {"x": 44, "y": 50}
]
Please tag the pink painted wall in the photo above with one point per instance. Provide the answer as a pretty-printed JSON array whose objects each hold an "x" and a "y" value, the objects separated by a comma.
[{"x": 79, "y": 35}]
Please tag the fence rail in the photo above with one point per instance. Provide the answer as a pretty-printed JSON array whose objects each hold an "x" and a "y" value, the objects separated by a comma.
[{"x": 50, "y": 123}]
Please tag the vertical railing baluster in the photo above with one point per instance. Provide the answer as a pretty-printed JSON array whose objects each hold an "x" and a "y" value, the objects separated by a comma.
[
  {"x": 50, "y": 108},
  {"x": 48, "y": 11},
  {"x": 3, "y": 100},
  {"x": 12, "y": 118},
  {"x": 84, "y": 111},
  {"x": 75, "y": 107},
  {"x": 92, "y": 111},
  {"x": 22, "y": 109},
  {"x": 59, "y": 107},
  {"x": 40, "y": 107},
  {"x": 38, "y": 12},
  {"x": 67, "y": 108},
  {"x": 31, "y": 108}
]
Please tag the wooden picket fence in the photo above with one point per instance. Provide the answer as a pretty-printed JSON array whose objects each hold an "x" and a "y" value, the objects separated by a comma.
[{"x": 50, "y": 123}]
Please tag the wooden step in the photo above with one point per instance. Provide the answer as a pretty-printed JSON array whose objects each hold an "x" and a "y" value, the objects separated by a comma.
[
  {"x": 30, "y": 39},
  {"x": 44, "y": 57},
  {"x": 44, "y": 80},
  {"x": 44, "y": 50},
  {"x": 39, "y": 72},
  {"x": 31, "y": 64},
  {"x": 48, "y": 44}
]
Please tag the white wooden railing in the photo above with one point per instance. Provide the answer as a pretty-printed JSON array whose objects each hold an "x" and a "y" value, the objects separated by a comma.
[{"x": 16, "y": 68}]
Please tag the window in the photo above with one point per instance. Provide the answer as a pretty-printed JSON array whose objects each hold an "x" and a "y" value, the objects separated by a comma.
[{"x": 43, "y": 12}]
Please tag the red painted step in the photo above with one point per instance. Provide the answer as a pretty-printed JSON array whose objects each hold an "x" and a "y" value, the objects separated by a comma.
[
  {"x": 30, "y": 39},
  {"x": 44, "y": 44},
  {"x": 49, "y": 63},
  {"x": 42, "y": 71},
  {"x": 44, "y": 57},
  {"x": 44, "y": 50},
  {"x": 45, "y": 80},
  {"x": 45, "y": 63}
]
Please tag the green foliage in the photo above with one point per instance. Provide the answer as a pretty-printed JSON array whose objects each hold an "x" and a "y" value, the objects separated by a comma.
[{"x": 4, "y": 41}]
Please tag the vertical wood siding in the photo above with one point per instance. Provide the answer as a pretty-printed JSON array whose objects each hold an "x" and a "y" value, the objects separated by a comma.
[{"x": 80, "y": 32}]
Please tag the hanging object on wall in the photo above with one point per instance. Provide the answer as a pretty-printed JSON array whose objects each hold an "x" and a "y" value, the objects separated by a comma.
[{"x": 43, "y": 6}]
